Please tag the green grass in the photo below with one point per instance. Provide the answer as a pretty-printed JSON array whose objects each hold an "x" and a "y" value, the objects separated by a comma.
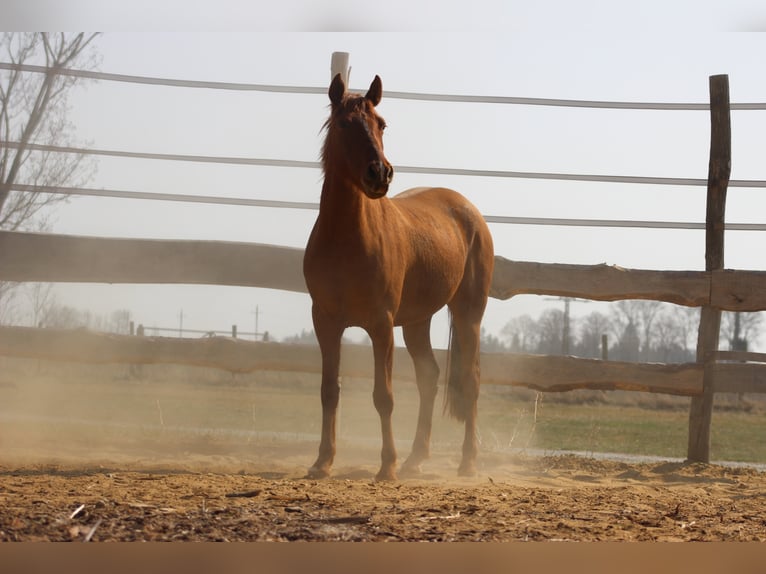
[
  {"x": 606, "y": 428},
  {"x": 735, "y": 436},
  {"x": 738, "y": 437}
]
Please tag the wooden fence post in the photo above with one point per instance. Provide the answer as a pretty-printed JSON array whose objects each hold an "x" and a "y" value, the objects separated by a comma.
[
  {"x": 719, "y": 170},
  {"x": 339, "y": 65}
]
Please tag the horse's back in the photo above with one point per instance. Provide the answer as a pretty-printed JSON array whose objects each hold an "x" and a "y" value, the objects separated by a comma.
[
  {"x": 442, "y": 206},
  {"x": 429, "y": 194},
  {"x": 413, "y": 191}
]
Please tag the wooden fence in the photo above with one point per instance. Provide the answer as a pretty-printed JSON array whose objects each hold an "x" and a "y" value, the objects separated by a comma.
[{"x": 58, "y": 258}]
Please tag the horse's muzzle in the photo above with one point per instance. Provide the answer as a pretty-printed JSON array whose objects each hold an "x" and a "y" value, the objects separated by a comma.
[{"x": 377, "y": 178}]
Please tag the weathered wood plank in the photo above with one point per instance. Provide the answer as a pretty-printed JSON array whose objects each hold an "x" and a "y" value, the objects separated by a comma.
[
  {"x": 68, "y": 258},
  {"x": 65, "y": 258},
  {"x": 599, "y": 282},
  {"x": 234, "y": 355},
  {"x": 558, "y": 373},
  {"x": 738, "y": 290},
  {"x": 739, "y": 378},
  {"x": 739, "y": 356},
  {"x": 544, "y": 373}
]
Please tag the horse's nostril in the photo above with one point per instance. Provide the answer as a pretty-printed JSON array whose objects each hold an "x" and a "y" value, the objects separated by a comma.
[{"x": 379, "y": 172}]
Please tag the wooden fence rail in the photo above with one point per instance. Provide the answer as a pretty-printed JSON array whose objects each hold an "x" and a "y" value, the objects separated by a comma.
[
  {"x": 67, "y": 258},
  {"x": 540, "y": 372}
]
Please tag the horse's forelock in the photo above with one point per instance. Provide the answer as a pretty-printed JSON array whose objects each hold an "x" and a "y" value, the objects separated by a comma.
[{"x": 350, "y": 104}]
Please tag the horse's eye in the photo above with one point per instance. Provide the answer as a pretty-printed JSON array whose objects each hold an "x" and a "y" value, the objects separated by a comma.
[{"x": 382, "y": 124}]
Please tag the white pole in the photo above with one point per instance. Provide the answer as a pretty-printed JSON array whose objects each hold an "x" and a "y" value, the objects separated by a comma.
[{"x": 339, "y": 65}]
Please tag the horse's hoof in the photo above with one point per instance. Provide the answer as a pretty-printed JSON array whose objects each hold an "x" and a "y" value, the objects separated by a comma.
[
  {"x": 410, "y": 470},
  {"x": 315, "y": 472},
  {"x": 467, "y": 470},
  {"x": 386, "y": 476}
]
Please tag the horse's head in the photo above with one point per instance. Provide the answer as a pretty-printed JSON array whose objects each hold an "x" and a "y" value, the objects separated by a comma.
[{"x": 354, "y": 144}]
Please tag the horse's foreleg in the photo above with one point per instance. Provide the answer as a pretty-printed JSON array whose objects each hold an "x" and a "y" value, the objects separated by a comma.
[
  {"x": 417, "y": 337},
  {"x": 329, "y": 342},
  {"x": 383, "y": 396}
]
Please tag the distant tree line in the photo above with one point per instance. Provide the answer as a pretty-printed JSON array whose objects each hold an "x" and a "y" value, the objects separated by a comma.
[{"x": 636, "y": 331}]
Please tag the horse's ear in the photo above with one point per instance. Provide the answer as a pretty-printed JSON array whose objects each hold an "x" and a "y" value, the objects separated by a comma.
[
  {"x": 337, "y": 89},
  {"x": 375, "y": 93}
]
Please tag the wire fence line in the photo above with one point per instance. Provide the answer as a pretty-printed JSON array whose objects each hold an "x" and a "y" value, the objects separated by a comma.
[
  {"x": 188, "y": 198},
  {"x": 461, "y": 98},
  {"x": 597, "y": 178},
  {"x": 156, "y": 196},
  {"x": 248, "y": 202}
]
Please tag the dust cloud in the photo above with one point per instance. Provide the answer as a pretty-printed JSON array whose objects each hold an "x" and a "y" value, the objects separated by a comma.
[
  {"x": 167, "y": 453},
  {"x": 196, "y": 419}
]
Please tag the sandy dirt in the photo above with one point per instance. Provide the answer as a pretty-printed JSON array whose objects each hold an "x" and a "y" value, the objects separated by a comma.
[
  {"x": 264, "y": 497},
  {"x": 88, "y": 456}
]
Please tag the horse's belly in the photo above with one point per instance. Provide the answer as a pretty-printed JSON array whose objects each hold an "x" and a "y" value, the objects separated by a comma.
[
  {"x": 408, "y": 314},
  {"x": 422, "y": 298},
  {"x": 364, "y": 304}
]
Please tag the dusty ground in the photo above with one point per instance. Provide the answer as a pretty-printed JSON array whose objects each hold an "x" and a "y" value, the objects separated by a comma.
[
  {"x": 266, "y": 499},
  {"x": 87, "y": 455}
]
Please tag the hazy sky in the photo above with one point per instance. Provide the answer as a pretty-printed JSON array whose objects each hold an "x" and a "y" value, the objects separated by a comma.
[{"x": 663, "y": 51}]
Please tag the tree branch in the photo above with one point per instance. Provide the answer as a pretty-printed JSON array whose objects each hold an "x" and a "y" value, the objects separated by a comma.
[{"x": 44, "y": 104}]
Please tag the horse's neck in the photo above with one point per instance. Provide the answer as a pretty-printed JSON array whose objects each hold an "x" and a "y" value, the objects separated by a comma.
[{"x": 343, "y": 207}]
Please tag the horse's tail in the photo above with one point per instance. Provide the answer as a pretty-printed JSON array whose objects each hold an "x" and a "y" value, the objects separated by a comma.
[{"x": 455, "y": 402}]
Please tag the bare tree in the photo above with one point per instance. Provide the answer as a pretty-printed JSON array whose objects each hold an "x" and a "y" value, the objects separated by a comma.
[
  {"x": 639, "y": 316},
  {"x": 33, "y": 110},
  {"x": 669, "y": 338},
  {"x": 522, "y": 334},
  {"x": 592, "y": 328},
  {"x": 9, "y": 311},
  {"x": 741, "y": 330},
  {"x": 551, "y": 326},
  {"x": 640, "y": 331},
  {"x": 63, "y": 317},
  {"x": 687, "y": 319},
  {"x": 491, "y": 343},
  {"x": 40, "y": 297}
]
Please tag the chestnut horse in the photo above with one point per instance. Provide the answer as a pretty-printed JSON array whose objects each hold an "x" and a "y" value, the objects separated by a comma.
[{"x": 375, "y": 262}]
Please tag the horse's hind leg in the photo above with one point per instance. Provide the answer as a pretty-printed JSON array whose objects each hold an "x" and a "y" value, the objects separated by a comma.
[
  {"x": 465, "y": 379},
  {"x": 467, "y": 308},
  {"x": 464, "y": 367},
  {"x": 417, "y": 337}
]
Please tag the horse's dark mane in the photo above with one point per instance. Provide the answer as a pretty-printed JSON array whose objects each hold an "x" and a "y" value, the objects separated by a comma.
[{"x": 325, "y": 144}]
